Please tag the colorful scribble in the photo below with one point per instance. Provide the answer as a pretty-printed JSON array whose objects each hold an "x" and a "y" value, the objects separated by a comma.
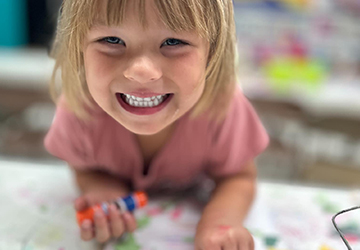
[
  {"x": 176, "y": 213},
  {"x": 129, "y": 243}
]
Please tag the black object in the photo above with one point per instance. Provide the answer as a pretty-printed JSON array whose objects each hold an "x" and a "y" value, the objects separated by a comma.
[
  {"x": 42, "y": 20},
  {"x": 338, "y": 230}
]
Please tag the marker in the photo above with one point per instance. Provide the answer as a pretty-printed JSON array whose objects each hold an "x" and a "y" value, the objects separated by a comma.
[{"x": 124, "y": 204}]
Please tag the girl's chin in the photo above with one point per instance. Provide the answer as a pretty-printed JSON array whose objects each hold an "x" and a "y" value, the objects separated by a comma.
[
  {"x": 146, "y": 131},
  {"x": 145, "y": 125},
  {"x": 143, "y": 128}
]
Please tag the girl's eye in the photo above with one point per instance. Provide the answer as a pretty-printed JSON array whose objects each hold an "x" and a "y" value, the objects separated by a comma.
[
  {"x": 173, "y": 42},
  {"x": 112, "y": 40}
]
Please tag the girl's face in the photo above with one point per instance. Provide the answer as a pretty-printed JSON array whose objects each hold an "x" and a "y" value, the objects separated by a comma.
[{"x": 145, "y": 78}]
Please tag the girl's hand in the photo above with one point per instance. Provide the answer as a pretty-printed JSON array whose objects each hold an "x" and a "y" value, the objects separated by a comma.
[
  {"x": 103, "y": 228},
  {"x": 210, "y": 237}
]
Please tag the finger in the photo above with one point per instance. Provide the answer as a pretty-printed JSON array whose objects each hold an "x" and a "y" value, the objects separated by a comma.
[
  {"x": 87, "y": 232},
  {"x": 130, "y": 222},
  {"x": 101, "y": 227},
  {"x": 252, "y": 244},
  {"x": 230, "y": 246},
  {"x": 81, "y": 204},
  {"x": 117, "y": 224},
  {"x": 245, "y": 246},
  {"x": 211, "y": 245},
  {"x": 229, "y": 241}
]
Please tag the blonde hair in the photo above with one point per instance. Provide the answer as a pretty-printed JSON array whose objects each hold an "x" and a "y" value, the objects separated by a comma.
[{"x": 213, "y": 19}]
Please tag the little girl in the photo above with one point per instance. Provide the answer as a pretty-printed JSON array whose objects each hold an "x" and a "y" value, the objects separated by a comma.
[{"x": 149, "y": 101}]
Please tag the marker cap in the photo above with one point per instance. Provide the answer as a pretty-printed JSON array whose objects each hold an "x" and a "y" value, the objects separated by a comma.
[
  {"x": 141, "y": 199},
  {"x": 87, "y": 214}
]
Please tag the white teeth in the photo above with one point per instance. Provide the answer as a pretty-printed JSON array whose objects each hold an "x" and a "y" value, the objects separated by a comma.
[
  {"x": 144, "y": 102},
  {"x": 156, "y": 102}
]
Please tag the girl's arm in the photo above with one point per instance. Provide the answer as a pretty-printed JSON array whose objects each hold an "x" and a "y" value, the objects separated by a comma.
[
  {"x": 221, "y": 225},
  {"x": 97, "y": 181},
  {"x": 233, "y": 196}
]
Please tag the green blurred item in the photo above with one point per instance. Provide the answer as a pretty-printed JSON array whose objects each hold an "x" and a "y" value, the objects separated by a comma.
[{"x": 284, "y": 73}]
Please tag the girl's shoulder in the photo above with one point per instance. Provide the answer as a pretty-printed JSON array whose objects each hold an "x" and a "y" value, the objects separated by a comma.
[
  {"x": 238, "y": 103},
  {"x": 240, "y": 115},
  {"x": 95, "y": 121}
]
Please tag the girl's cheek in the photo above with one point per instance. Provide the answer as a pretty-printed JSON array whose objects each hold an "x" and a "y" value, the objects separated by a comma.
[{"x": 103, "y": 67}]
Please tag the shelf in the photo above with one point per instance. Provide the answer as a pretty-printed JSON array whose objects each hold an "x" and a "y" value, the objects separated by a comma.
[
  {"x": 337, "y": 97},
  {"x": 25, "y": 68}
]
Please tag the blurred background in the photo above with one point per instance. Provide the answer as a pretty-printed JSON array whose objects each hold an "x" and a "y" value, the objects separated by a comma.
[{"x": 299, "y": 64}]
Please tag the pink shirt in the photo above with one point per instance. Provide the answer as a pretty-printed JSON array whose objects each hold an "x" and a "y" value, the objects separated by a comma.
[{"x": 197, "y": 146}]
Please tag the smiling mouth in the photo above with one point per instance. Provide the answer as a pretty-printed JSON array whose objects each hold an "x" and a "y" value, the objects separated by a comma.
[
  {"x": 148, "y": 102},
  {"x": 148, "y": 105}
]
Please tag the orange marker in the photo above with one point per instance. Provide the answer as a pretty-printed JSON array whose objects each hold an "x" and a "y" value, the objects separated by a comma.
[{"x": 129, "y": 203}]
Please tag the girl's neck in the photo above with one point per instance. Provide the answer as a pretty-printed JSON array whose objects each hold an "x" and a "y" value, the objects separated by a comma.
[{"x": 150, "y": 145}]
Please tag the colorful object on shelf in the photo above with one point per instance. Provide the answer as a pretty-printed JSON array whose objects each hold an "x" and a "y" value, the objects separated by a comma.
[
  {"x": 283, "y": 74},
  {"x": 279, "y": 5},
  {"x": 297, "y": 4},
  {"x": 124, "y": 204}
]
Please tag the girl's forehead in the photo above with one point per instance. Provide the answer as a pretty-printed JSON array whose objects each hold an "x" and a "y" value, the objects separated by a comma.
[
  {"x": 130, "y": 12},
  {"x": 173, "y": 14}
]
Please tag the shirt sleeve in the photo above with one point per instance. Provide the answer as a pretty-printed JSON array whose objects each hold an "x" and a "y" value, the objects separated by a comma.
[
  {"x": 68, "y": 139},
  {"x": 237, "y": 140}
]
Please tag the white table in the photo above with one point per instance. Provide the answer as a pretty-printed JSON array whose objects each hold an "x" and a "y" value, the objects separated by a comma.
[{"x": 36, "y": 213}]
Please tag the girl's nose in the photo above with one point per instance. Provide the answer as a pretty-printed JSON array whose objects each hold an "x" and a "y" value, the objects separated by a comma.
[{"x": 143, "y": 70}]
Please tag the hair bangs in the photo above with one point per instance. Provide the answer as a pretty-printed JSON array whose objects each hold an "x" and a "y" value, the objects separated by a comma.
[
  {"x": 177, "y": 15},
  {"x": 111, "y": 12},
  {"x": 183, "y": 15}
]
